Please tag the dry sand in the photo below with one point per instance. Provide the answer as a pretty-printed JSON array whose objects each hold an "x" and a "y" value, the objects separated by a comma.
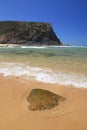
[{"x": 14, "y": 114}]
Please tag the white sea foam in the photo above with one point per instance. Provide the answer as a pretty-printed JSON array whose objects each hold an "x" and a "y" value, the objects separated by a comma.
[
  {"x": 69, "y": 46},
  {"x": 40, "y": 47},
  {"x": 43, "y": 75},
  {"x": 35, "y": 47}
]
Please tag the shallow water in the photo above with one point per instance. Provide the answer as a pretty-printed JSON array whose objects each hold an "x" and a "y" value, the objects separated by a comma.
[{"x": 60, "y": 65}]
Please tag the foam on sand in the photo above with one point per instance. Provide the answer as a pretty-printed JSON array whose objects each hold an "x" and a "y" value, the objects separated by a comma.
[{"x": 42, "y": 75}]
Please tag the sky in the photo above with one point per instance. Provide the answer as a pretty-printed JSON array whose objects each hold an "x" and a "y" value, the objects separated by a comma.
[{"x": 67, "y": 17}]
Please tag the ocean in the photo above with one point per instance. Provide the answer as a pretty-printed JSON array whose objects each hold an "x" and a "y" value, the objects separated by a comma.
[{"x": 55, "y": 65}]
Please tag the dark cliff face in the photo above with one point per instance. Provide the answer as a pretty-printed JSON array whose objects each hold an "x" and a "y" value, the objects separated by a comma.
[{"x": 30, "y": 33}]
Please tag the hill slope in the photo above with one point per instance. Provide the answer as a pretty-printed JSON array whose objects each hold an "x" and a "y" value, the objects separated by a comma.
[{"x": 29, "y": 33}]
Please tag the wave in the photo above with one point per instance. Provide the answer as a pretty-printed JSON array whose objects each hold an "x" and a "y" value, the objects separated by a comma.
[
  {"x": 39, "y": 47},
  {"x": 42, "y": 75},
  {"x": 69, "y": 46},
  {"x": 36, "y": 47}
]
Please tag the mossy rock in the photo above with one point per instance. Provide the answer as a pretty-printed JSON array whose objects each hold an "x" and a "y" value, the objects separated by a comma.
[{"x": 43, "y": 99}]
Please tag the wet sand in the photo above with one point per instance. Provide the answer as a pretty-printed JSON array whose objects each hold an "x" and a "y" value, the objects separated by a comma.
[{"x": 70, "y": 114}]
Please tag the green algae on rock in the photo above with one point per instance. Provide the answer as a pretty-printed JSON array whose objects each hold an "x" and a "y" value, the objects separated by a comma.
[{"x": 40, "y": 99}]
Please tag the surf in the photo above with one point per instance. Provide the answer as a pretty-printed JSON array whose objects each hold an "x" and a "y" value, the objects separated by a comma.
[{"x": 42, "y": 74}]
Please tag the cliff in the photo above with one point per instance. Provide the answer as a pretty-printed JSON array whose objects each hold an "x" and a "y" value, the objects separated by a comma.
[{"x": 29, "y": 33}]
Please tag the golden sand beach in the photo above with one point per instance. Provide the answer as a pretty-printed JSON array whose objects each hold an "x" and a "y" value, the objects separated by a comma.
[{"x": 71, "y": 114}]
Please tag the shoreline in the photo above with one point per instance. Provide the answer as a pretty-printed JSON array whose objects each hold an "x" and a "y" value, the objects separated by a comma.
[
  {"x": 14, "y": 114},
  {"x": 44, "y": 75},
  {"x": 25, "y": 45}
]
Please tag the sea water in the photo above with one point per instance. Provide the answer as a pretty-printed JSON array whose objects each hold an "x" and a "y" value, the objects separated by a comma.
[{"x": 55, "y": 65}]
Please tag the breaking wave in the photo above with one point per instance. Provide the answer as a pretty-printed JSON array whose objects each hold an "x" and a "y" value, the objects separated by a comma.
[{"x": 43, "y": 75}]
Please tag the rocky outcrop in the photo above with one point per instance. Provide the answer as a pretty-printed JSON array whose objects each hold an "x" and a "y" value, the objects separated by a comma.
[
  {"x": 29, "y": 33},
  {"x": 40, "y": 99}
]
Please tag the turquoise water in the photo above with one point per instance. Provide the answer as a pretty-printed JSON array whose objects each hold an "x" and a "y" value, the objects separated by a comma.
[{"x": 46, "y": 64}]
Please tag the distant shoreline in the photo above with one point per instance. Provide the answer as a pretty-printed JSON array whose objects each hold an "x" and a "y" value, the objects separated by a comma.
[{"x": 36, "y": 46}]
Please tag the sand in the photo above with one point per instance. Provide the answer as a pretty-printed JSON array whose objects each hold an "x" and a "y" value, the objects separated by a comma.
[
  {"x": 71, "y": 114},
  {"x": 8, "y": 45}
]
